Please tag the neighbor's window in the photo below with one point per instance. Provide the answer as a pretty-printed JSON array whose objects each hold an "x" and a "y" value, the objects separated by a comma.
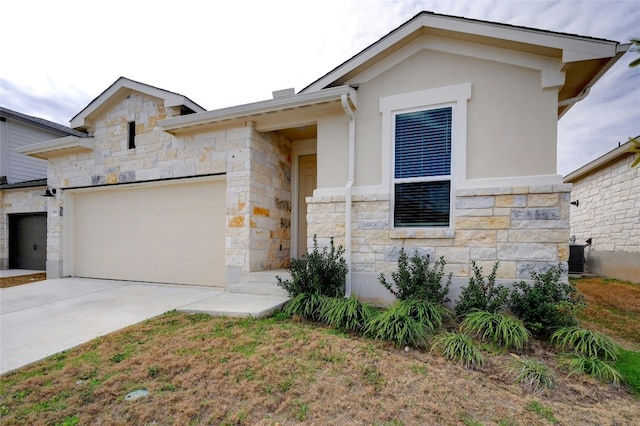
[
  {"x": 422, "y": 168},
  {"x": 132, "y": 134}
]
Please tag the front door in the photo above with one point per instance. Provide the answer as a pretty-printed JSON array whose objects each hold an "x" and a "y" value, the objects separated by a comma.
[
  {"x": 307, "y": 183},
  {"x": 28, "y": 241}
]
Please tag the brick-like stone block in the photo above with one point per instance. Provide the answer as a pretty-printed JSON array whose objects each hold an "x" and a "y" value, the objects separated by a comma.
[
  {"x": 536, "y": 214},
  {"x": 488, "y": 222},
  {"x": 527, "y": 251},
  {"x": 474, "y": 202}
]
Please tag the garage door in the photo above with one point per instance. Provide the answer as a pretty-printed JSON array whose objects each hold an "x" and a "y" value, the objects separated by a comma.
[{"x": 168, "y": 233}]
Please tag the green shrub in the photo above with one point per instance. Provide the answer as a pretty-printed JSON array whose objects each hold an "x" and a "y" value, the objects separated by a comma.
[
  {"x": 319, "y": 272},
  {"x": 585, "y": 342},
  {"x": 307, "y": 305},
  {"x": 458, "y": 347},
  {"x": 417, "y": 280},
  {"x": 547, "y": 303},
  {"x": 482, "y": 293},
  {"x": 591, "y": 366},
  {"x": 501, "y": 329},
  {"x": 347, "y": 313},
  {"x": 534, "y": 375},
  {"x": 397, "y": 325}
]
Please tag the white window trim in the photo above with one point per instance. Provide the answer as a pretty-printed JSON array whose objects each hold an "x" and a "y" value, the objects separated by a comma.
[{"x": 455, "y": 96}]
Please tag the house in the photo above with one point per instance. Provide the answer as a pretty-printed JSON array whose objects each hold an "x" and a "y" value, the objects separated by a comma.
[
  {"x": 440, "y": 137},
  {"x": 23, "y": 180},
  {"x": 606, "y": 211}
]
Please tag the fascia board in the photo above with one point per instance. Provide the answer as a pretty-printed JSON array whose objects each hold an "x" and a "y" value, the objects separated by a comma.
[
  {"x": 262, "y": 107},
  {"x": 609, "y": 157},
  {"x": 125, "y": 85},
  {"x": 574, "y": 48},
  {"x": 58, "y": 146}
]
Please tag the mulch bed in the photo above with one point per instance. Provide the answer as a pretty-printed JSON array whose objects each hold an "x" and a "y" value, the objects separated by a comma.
[{"x": 6, "y": 282}]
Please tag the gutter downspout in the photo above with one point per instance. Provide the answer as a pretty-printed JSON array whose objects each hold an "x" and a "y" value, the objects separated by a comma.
[
  {"x": 575, "y": 99},
  {"x": 352, "y": 166}
]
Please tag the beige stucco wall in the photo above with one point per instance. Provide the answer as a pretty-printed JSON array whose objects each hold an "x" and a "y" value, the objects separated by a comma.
[{"x": 511, "y": 120}]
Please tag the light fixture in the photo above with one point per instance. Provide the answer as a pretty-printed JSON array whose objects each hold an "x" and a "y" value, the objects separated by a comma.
[
  {"x": 575, "y": 203},
  {"x": 50, "y": 192}
]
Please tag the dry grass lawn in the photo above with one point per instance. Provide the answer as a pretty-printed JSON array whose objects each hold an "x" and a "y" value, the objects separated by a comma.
[{"x": 204, "y": 370}]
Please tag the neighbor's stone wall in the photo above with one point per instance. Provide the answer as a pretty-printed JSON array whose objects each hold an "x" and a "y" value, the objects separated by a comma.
[
  {"x": 526, "y": 229},
  {"x": 26, "y": 200},
  {"x": 609, "y": 208}
]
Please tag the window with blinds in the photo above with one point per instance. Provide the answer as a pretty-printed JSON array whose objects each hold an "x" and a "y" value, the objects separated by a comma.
[{"x": 422, "y": 168}]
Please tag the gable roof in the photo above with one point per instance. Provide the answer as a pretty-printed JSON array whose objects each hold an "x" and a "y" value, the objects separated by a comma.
[
  {"x": 585, "y": 59},
  {"x": 120, "y": 89},
  {"x": 599, "y": 163},
  {"x": 40, "y": 123}
]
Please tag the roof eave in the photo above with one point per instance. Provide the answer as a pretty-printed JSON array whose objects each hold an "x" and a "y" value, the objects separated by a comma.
[
  {"x": 573, "y": 47},
  {"x": 56, "y": 147},
  {"x": 172, "y": 125},
  {"x": 600, "y": 162},
  {"x": 123, "y": 85}
]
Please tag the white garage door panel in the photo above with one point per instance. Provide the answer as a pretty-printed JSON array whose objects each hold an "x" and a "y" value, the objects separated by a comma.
[{"x": 173, "y": 233}]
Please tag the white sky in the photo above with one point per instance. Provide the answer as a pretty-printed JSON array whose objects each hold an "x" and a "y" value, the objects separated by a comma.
[{"x": 59, "y": 55}]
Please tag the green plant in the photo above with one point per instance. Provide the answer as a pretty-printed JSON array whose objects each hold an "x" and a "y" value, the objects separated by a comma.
[
  {"x": 532, "y": 374},
  {"x": 427, "y": 313},
  {"x": 318, "y": 272},
  {"x": 542, "y": 411},
  {"x": 307, "y": 305},
  {"x": 591, "y": 366},
  {"x": 585, "y": 342},
  {"x": 398, "y": 326},
  {"x": 546, "y": 303},
  {"x": 501, "y": 329},
  {"x": 458, "y": 347},
  {"x": 415, "y": 279},
  {"x": 347, "y": 313},
  {"x": 628, "y": 364},
  {"x": 482, "y": 293}
]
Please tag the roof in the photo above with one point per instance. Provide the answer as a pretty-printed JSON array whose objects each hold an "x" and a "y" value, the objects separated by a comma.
[
  {"x": 40, "y": 122},
  {"x": 262, "y": 113},
  {"x": 120, "y": 89},
  {"x": 599, "y": 163},
  {"x": 585, "y": 59}
]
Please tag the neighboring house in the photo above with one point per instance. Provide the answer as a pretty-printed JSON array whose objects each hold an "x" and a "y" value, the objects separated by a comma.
[
  {"x": 439, "y": 137},
  {"x": 23, "y": 180},
  {"x": 606, "y": 211}
]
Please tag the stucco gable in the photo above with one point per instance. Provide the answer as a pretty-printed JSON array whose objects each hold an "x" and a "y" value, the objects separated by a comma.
[
  {"x": 579, "y": 61},
  {"x": 122, "y": 88}
]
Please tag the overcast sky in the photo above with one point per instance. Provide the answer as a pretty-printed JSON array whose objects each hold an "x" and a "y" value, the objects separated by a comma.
[{"x": 59, "y": 55}]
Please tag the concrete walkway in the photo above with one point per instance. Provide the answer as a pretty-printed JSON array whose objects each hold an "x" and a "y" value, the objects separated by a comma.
[{"x": 46, "y": 317}]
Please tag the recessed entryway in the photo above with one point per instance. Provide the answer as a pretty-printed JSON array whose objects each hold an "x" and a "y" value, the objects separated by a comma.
[{"x": 28, "y": 241}]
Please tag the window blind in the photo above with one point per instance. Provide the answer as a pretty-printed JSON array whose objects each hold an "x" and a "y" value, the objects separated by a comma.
[{"x": 423, "y": 143}]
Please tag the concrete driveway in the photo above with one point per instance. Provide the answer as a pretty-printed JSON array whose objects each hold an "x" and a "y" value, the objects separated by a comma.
[{"x": 46, "y": 317}]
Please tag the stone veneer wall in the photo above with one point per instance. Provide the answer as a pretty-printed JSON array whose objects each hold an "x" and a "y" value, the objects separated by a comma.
[
  {"x": 27, "y": 200},
  {"x": 257, "y": 168},
  {"x": 524, "y": 228},
  {"x": 609, "y": 214},
  {"x": 609, "y": 209}
]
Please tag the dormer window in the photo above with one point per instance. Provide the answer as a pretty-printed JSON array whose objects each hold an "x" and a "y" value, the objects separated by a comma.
[{"x": 132, "y": 134}]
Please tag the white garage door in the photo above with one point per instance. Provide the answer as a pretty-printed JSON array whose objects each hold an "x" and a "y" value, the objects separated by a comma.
[{"x": 168, "y": 233}]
